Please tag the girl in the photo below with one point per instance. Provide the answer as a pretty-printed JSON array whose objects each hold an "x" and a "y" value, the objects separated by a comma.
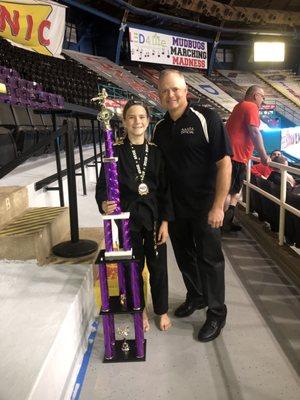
[{"x": 144, "y": 192}]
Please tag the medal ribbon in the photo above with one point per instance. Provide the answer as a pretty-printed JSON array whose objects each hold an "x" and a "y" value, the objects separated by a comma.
[{"x": 141, "y": 172}]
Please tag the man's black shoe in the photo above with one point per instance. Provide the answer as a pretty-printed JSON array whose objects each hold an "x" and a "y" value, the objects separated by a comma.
[
  {"x": 235, "y": 227},
  {"x": 232, "y": 227},
  {"x": 188, "y": 307},
  {"x": 211, "y": 329}
]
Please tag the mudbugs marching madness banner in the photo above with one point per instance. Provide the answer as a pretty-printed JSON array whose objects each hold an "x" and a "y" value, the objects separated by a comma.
[{"x": 154, "y": 47}]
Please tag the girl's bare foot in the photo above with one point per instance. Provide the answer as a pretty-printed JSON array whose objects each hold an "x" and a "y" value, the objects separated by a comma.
[
  {"x": 164, "y": 322},
  {"x": 146, "y": 325}
]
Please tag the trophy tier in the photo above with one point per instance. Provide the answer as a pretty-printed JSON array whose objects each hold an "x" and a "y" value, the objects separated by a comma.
[
  {"x": 113, "y": 260},
  {"x": 115, "y": 307},
  {"x": 130, "y": 356}
]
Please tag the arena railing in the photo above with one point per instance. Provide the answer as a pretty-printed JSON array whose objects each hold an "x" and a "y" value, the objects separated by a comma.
[
  {"x": 280, "y": 201},
  {"x": 288, "y": 112}
]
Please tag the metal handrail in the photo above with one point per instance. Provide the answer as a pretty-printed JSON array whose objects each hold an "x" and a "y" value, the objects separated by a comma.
[
  {"x": 284, "y": 109},
  {"x": 281, "y": 201}
]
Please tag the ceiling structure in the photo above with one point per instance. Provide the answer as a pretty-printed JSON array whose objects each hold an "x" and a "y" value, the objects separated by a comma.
[{"x": 233, "y": 18}]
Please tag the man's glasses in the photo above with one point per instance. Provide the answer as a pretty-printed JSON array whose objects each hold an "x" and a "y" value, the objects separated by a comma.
[{"x": 262, "y": 96}]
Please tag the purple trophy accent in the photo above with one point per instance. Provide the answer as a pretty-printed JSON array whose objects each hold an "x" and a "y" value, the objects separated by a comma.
[
  {"x": 108, "y": 235},
  {"x": 139, "y": 335},
  {"x": 126, "y": 234},
  {"x": 135, "y": 285},
  {"x": 108, "y": 348},
  {"x": 111, "y": 172},
  {"x": 112, "y": 329},
  {"x": 111, "y": 175},
  {"x": 103, "y": 286},
  {"x": 109, "y": 140},
  {"x": 122, "y": 283}
]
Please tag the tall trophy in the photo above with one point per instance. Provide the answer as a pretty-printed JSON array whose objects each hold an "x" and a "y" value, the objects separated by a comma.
[{"x": 118, "y": 251}]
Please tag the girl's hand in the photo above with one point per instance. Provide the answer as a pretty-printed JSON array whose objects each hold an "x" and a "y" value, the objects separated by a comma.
[
  {"x": 163, "y": 233},
  {"x": 109, "y": 206}
]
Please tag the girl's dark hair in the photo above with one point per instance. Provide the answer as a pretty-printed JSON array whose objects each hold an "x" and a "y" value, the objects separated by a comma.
[{"x": 131, "y": 103}]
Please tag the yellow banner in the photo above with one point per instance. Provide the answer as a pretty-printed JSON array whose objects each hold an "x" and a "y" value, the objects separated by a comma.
[{"x": 38, "y": 26}]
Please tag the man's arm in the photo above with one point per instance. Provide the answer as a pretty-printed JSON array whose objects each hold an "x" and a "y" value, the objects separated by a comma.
[
  {"x": 216, "y": 214},
  {"x": 258, "y": 144}
]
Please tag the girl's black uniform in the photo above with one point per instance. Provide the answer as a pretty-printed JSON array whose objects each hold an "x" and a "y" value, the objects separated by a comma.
[{"x": 146, "y": 212}]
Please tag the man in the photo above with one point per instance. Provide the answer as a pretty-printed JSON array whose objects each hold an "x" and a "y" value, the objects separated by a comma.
[
  {"x": 197, "y": 154},
  {"x": 243, "y": 130}
]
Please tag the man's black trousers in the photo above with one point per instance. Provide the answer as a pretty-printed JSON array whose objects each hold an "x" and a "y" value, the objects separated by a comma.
[{"x": 198, "y": 252}]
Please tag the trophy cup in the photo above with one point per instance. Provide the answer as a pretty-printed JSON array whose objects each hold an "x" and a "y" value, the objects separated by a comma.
[{"x": 121, "y": 254}]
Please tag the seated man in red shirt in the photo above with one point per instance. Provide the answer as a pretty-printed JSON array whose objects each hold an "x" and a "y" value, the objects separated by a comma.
[
  {"x": 263, "y": 171},
  {"x": 243, "y": 130},
  {"x": 275, "y": 175}
]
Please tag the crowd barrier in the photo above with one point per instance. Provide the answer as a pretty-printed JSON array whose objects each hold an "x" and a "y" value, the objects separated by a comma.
[{"x": 274, "y": 204}]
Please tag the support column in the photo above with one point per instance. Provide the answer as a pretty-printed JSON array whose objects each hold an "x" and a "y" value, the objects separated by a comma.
[
  {"x": 139, "y": 335},
  {"x": 103, "y": 286},
  {"x": 108, "y": 347}
]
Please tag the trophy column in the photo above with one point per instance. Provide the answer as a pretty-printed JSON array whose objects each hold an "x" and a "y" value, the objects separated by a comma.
[{"x": 129, "y": 299}]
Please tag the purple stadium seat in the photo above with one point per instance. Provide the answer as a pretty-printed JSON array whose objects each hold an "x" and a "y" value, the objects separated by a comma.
[
  {"x": 4, "y": 98},
  {"x": 12, "y": 81},
  {"x": 61, "y": 101},
  {"x": 37, "y": 86},
  {"x": 42, "y": 96},
  {"x": 30, "y": 86}
]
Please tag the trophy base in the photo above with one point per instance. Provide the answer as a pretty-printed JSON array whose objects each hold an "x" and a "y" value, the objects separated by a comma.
[
  {"x": 128, "y": 356},
  {"x": 115, "y": 307}
]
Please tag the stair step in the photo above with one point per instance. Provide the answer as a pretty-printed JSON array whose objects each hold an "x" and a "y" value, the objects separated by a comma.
[
  {"x": 13, "y": 202},
  {"x": 33, "y": 234}
]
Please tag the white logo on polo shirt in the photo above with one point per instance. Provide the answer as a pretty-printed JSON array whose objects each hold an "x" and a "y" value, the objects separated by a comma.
[{"x": 187, "y": 131}]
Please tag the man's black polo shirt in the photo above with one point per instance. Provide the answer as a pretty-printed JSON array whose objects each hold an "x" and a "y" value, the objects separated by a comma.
[{"x": 191, "y": 146}]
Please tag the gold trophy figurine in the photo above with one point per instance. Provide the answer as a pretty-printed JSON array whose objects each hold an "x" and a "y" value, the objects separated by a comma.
[
  {"x": 122, "y": 300},
  {"x": 105, "y": 113},
  {"x": 124, "y": 332}
]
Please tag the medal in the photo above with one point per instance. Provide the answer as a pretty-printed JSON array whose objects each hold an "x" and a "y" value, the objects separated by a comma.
[{"x": 143, "y": 189}]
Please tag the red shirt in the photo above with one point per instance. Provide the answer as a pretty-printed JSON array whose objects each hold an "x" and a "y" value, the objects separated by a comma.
[
  {"x": 261, "y": 170},
  {"x": 244, "y": 114}
]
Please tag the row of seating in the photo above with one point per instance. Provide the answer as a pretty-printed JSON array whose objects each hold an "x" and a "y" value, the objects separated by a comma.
[
  {"x": 268, "y": 211},
  {"x": 21, "y": 128},
  {"x": 63, "y": 78},
  {"x": 26, "y": 93}
]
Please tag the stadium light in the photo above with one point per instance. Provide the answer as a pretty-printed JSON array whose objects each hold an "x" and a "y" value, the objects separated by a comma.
[{"x": 269, "y": 51}]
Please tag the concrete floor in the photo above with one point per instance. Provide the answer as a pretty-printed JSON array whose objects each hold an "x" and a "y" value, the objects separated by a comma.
[{"x": 256, "y": 357}]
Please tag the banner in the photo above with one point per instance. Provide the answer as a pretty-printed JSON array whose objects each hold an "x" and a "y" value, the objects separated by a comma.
[
  {"x": 210, "y": 90},
  {"x": 118, "y": 75},
  {"x": 34, "y": 25},
  {"x": 290, "y": 141},
  {"x": 229, "y": 87},
  {"x": 159, "y": 48},
  {"x": 245, "y": 79},
  {"x": 284, "y": 83}
]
